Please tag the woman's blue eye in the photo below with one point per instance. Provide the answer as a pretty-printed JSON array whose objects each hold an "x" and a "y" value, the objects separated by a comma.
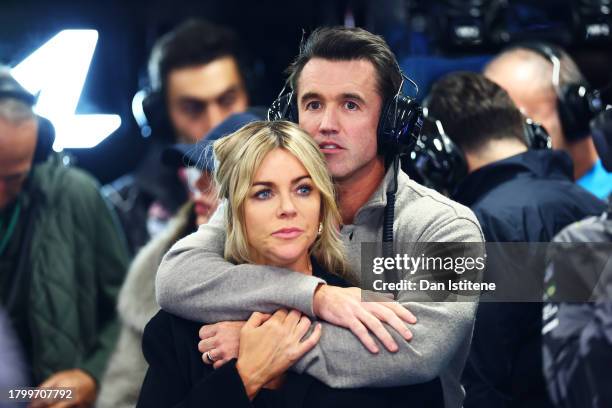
[
  {"x": 263, "y": 194},
  {"x": 304, "y": 190}
]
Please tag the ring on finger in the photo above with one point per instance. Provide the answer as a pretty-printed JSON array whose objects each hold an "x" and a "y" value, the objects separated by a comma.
[{"x": 209, "y": 356}]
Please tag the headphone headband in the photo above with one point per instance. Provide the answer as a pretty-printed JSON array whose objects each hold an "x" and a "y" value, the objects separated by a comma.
[
  {"x": 552, "y": 54},
  {"x": 441, "y": 164},
  {"x": 577, "y": 103}
]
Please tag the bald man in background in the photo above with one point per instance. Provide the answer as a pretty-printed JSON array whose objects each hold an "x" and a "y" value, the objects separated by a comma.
[{"x": 527, "y": 75}]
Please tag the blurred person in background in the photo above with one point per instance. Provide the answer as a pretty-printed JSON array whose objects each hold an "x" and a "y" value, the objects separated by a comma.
[
  {"x": 529, "y": 73},
  {"x": 13, "y": 370},
  {"x": 137, "y": 305},
  {"x": 196, "y": 72},
  {"x": 62, "y": 255},
  {"x": 519, "y": 195},
  {"x": 578, "y": 335}
]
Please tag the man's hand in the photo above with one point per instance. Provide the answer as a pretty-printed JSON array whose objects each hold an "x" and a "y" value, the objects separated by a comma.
[
  {"x": 343, "y": 307},
  {"x": 83, "y": 386},
  {"x": 221, "y": 340}
]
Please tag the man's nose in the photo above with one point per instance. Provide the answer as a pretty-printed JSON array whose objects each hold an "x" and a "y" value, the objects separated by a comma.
[
  {"x": 216, "y": 115},
  {"x": 329, "y": 122}
]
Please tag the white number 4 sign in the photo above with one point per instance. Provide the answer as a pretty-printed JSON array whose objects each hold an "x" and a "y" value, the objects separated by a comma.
[{"x": 57, "y": 72}]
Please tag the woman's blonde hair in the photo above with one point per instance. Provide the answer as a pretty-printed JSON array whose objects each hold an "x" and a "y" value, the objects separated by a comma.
[{"x": 237, "y": 158}]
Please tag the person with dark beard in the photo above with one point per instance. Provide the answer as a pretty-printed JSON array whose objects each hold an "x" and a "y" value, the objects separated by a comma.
[{"x": 197, "y": 81}]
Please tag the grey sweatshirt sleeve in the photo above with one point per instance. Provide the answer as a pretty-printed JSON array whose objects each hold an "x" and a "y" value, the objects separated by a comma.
[
  {"x": 440, "y": 337},
  {"x": 339, "y": 358},
  {"x": 194, "y": 281}
]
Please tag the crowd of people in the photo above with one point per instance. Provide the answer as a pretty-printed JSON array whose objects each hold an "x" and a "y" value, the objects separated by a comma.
[{"x": 229, "y": 267}]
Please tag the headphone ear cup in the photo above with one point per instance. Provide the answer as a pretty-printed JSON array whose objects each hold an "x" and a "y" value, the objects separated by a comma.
[
  {"x": 44, "y": 139},
  {"x": 536, "y": 135},
  {"x": 384, "y": 126},
  {"x": 400, "y": 124},
  {"x": 156, "y": 114},
  {"x": 438, "y": 160},
  {"x": 574, "y": 111},
  {"x": 151, "y": 105},
  {"x": 284, "y": 108}
]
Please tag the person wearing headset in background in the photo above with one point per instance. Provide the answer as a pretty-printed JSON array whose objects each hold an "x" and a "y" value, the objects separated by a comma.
[
  {"x": 62, "y": 255},
  {"x": 546, "y": 84},
  {"x": 197, "y": 80},
  {"x": 346, "y": 92},
  {"x": 578, "y": 333},
  {"x": 518, "y": 194}
]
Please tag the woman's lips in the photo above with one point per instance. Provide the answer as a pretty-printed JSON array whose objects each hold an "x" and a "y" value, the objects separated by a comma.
[{"x": 288, "y": 233}]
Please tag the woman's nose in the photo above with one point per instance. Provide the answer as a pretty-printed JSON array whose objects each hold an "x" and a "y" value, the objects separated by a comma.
[{"x": 286, "y": 206}]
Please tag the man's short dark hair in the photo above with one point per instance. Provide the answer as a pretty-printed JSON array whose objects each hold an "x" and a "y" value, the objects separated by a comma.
[
  {"x": 194, "y": 42},
  {"x": 347, "y": 44},
  {"x": 474, "y": 110}
]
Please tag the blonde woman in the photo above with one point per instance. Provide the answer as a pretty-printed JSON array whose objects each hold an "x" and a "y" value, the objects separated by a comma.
[{"x": 280, "y": 211}]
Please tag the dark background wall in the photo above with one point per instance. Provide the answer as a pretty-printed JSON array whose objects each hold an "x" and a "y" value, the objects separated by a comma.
[{"x": 271, "y": 31}]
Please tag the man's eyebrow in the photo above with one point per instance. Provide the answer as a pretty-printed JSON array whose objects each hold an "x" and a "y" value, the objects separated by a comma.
[
  {"x": 228, "y": 91},
  {"x": 353, "y": 96},
  {"x": 310, "y": 95},
  {"x": 271, "y": 183},
  {"x": 192, "y": 99},
  {"x": 347, "y": 95}
]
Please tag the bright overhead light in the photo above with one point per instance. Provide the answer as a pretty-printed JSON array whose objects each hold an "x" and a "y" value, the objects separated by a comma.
[{"x": 57, "y": 72}]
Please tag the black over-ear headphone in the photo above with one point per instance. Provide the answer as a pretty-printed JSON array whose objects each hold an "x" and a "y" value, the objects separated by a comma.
[
  {"x": 399, "y": 125},
  {"x": 151, "y": 114},
  {"x": 442, "y": 164},
  {"x": 577, "y": 103},
  {"x": 11, "y": 89}
]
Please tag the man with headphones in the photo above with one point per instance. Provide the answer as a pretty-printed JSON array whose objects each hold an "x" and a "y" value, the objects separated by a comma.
[
  {"x": 345, "y": 90},
  {"x": 546, "y": 84},
  {"x": 519, "y": 194},
  {"x": 62, "y": 256},
  {"x": 196, "y": 81}
]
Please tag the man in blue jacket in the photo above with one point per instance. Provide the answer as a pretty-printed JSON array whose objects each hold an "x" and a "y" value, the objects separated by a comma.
[{"x": 518, "y": 195}]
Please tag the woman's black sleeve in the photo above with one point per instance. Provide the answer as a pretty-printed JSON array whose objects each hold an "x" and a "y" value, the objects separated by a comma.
[{"x": 169, "y": 383}]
